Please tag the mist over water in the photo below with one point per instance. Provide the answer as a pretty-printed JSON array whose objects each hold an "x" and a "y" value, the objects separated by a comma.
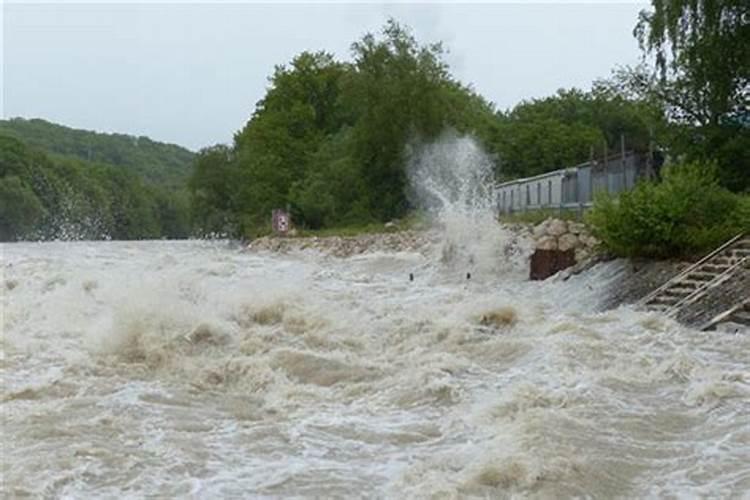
[
  {"x": 193, "y": 370},
  {"x": 452, "y": 181}
]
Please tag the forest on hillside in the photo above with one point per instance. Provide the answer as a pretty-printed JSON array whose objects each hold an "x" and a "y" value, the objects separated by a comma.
[
  {"x": 167, "y": 165},
  {"x": 61, "y": 183}
]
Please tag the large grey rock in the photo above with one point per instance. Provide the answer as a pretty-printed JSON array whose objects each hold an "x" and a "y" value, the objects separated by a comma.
[
  {"x": 567, "y": 241},
  {"x": 591, "y": 241},
  {"x": 576, "y": 227},
  {"x": 540, "y": 230},
  {"x": 582, "y": 254},
  {"x": 547, "y": 243},
  {"x": 557, "y": 227}
]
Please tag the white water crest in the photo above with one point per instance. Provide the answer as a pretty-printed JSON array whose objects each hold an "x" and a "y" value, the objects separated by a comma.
[{"x": 451, "y": 179}]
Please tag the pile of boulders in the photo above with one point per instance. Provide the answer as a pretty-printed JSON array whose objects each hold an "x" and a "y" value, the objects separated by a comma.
[
  {"x": 558, "y": 234},
  {"x": 346, "y": 246}
]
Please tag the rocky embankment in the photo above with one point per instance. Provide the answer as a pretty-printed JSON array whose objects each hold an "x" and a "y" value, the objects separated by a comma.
[
  {"x": 552, "y": 234},
  {"x": 558, "y": 234},
  {"x": 633, "y": 279},
  {"x": 346, "y": 246}
]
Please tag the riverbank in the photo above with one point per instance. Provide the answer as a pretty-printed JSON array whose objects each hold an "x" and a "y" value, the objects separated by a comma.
[
  {"x": 347, "y": 246},
  {"x": 634, "y": 278}
]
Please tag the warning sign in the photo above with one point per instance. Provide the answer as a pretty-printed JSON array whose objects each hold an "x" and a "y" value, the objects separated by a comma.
[{"x": 280, "y": 221}]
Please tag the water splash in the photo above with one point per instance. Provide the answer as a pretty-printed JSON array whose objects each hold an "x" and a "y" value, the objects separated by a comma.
[
  {"x": 452, "y": 180},
  {"x": 74, "y": 220}
]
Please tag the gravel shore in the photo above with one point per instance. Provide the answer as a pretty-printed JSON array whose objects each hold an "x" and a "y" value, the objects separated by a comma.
[{"x": 635, "y": 278}]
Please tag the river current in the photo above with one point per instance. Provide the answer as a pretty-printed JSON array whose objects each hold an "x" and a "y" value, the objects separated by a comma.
[{"x": 196, "y": 370}]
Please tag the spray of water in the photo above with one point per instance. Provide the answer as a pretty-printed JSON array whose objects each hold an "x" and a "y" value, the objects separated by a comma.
[{"x": 451, "y": 179}]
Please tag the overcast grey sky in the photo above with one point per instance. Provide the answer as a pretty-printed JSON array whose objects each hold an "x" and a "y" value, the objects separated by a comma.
[{"x": 191, "y": 73}]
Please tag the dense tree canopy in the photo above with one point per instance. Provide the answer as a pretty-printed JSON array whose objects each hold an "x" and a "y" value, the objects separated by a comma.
[
  {"x": 703, "y": 48},
  {"x": 43, "y": 197},
  {"x": 331, "y": 139},
  {"x": 701, "y": 51}
]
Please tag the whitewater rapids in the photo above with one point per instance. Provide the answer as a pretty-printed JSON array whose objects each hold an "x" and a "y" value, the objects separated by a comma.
[{"x": 194, "y": 370}]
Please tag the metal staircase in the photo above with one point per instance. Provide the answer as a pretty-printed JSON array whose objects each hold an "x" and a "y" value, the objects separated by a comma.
[{"x": 693, "y": 283}]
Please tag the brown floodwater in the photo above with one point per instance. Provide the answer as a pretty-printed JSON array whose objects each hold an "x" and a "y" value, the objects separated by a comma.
[{"x": 194, "y": 370}]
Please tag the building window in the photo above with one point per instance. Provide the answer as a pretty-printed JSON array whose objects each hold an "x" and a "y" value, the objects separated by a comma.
[{"x": 549, "y": 192}]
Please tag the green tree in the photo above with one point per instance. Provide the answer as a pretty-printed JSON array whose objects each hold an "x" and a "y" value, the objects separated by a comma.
[
  {"x": 166, "y": 165},
  {"x": 565, "y": 129},
  {"x": 213, "y": 191},
  {"x": 68, "y": 198},
  {"x": 398, "y": 92},
  {"x": 703, "y": 48},
  {"x": 20, "y": 209},
  {"x": 289, "y": 124},
  {"x": 701, "y": 52},
  {"x": 333, "y": 192}
]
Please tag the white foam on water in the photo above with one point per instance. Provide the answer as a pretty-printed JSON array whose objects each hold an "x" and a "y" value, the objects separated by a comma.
[{"x": 170, "y": 369}]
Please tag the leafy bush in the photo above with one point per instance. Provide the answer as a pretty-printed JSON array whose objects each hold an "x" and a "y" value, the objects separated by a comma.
[{"x": 686, "y": 214}]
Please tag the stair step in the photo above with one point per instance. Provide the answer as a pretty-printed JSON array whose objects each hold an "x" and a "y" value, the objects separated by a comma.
[
  {"x": 736, "y": 257},
  {"x": 693, "y": 283},
  {"x": 719, "y": 262},
  {"x": 660, "y": 307},
  {"x": 663, "y": 301},
  {"x": 676, "y": 291},
  {"x": 714, "y": 268},
  {"x": 702, "y": 276}
]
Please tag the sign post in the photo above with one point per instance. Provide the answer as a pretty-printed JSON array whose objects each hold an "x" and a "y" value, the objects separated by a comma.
[{"x": 281, "y": 222}]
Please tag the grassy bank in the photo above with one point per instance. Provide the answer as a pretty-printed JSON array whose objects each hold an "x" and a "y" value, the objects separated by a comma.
[{"x": 413, "y": 221}]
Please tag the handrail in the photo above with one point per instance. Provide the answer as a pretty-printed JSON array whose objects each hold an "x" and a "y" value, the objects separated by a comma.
[
  {"x": 726, "y": 314},
  {"x": 706, "y": 286},
  {"x": 690, "y": 269}
]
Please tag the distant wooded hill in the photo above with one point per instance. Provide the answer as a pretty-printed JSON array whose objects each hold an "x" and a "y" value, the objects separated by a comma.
[
  {"x": 168, "y": 165},
  {"x": 61, "y": 183}
]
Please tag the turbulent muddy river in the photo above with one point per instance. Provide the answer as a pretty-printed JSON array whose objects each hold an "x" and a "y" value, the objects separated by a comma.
[{"x": 196, "y": 370}]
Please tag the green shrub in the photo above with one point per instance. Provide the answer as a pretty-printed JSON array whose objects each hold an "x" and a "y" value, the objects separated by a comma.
[{"x": 684, "y": 215}]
